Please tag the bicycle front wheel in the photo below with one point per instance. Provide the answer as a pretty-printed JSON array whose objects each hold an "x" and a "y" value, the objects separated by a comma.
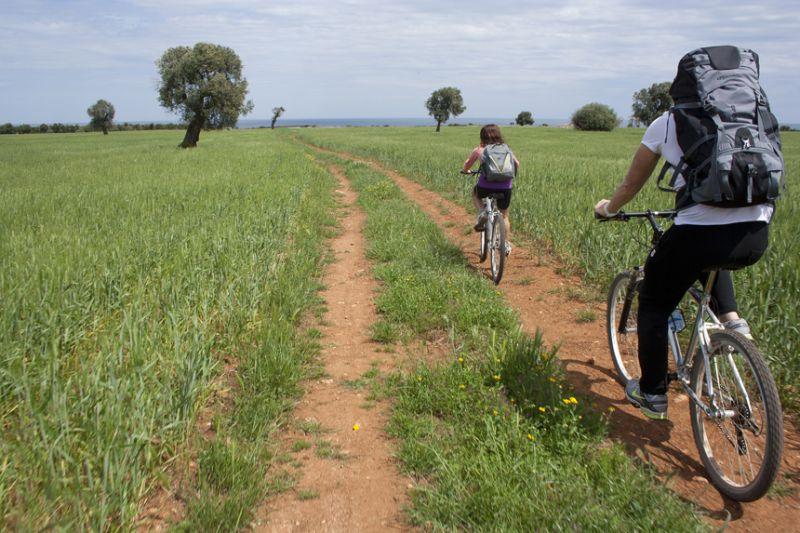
[
  {"x": 621, "y": 324},
  {"x": 740, "y": 450},
  {"x": 497, "y": 250}
]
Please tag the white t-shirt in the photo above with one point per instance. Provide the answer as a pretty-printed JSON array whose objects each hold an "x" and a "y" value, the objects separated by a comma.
[{"x": 660, "y": 138}]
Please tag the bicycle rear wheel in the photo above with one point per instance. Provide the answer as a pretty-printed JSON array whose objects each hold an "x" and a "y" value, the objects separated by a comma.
[
  {"x": 742, "y": 452},
  {"x": 621, "y": 324},
  {"x": 497, "y": 250}
]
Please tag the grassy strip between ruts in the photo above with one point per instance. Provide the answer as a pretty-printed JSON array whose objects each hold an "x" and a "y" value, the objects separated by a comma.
[{"x": 494, "y": 436}]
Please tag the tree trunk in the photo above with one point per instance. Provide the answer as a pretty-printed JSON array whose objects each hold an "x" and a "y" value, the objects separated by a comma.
[
  {"x": 105, "y": 129},
  {"x": 438, "y": 125},
  {"x": 272, "y": 126},
  {"x": 192, "y": 134}
]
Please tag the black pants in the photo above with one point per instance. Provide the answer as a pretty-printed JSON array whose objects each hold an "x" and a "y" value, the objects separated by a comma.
[{"x": 684, "y": 255}]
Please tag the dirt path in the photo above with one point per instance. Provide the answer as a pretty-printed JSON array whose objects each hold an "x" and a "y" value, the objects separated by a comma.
[
  {"x": 347, "y": 478},
  {"x": 543, "y": 299}
]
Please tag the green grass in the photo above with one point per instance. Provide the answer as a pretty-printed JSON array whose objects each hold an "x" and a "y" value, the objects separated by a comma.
[
  {"x": 130, "y": 273},
  {"x": 562, "y": 174},
  {"x": 307, "y": 494},
  {"x": 493, "y": 435}
]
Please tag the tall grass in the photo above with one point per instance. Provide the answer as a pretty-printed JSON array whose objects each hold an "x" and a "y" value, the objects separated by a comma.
[
  {"x": 562, "y": 174},
  {"x": 129, "y": 272}
]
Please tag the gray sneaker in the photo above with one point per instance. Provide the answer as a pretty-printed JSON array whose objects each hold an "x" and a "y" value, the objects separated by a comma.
[
  {"x": 508, "y": 248},
  {"x": 653, "y": 406},
  {"x": 739, "y": 325}
]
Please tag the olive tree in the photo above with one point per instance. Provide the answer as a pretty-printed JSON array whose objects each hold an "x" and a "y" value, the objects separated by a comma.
[
  {"x": 276, "y": 114},
  {"x": 443, "y": 103},
  {"x": 651, "y": 102},
  {"x": 101, "y": 114},
  {"x": 204, "y": 85},
  {"x": 525, "y": 118}
]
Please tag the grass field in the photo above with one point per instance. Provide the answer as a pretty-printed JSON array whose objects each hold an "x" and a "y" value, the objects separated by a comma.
[
  {"x": 562, "y": 174},
  {"x": 131, "y": 273},
  {"x": 147, "y": 289}
]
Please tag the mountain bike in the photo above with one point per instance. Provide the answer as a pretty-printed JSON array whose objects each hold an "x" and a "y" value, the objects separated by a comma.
[
  {"x": 734, "y": 407},
  {"x": 493, "y": 237}
]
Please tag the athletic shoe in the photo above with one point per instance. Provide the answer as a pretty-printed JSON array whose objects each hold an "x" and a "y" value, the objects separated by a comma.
[
  {"x": 653, "y": 406},
  {"x": 739, "y": 325},
  {"x": 480, "y": 223},
  {"x": 508, "y": 248}
]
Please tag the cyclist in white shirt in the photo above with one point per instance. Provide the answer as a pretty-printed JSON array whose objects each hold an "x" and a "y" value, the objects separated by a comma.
[{"x": 701, "y": 237}]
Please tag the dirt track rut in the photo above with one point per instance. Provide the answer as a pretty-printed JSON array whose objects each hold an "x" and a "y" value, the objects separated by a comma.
[{"x": 359, "y": 488}]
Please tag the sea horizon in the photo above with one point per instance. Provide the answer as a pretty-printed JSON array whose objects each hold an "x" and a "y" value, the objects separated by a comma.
[{"x": 388, "y": 121}]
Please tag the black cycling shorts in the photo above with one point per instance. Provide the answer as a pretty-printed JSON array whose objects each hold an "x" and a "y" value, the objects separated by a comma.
[{"x": 503, "y": 195}]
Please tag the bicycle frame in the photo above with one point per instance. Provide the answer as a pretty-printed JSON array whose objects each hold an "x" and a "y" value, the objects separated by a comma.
[{"x": 700, "y": 338}]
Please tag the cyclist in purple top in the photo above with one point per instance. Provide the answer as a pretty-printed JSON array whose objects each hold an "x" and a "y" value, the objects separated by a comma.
[{"x": 490, "y": 134}]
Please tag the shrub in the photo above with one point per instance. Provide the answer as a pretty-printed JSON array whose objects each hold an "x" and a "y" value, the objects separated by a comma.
[
  {"x": 595, "y": 117},
  {"x": 786, "y": 127},
  {"x": 525, "y": 118}
]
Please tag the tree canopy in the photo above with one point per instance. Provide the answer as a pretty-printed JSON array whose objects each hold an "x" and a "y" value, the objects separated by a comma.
[
  {"x": 595, "y": 117},
  {"x": 102, "y": 115},
  {"x": 651, "y": 102},
  {"x": 276, "y": 114},
  {"x": 525, "y": 118},
  {"x": 204, "y": 85},
  {"x": 443, "y": 103}
]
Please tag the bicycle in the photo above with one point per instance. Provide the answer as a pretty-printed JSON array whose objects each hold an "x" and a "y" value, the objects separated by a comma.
[
  {"x": 493, "y": 236},
  {"x": 734, "y": 406}
]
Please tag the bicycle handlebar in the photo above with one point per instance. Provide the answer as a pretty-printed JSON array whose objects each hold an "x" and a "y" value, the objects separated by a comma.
[
  {"x": 651, "y": 217},
  {"x": 622, "y": 216}
]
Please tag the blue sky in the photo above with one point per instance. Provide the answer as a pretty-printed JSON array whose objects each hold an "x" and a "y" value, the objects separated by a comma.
[{"x": 376, "y": 58}]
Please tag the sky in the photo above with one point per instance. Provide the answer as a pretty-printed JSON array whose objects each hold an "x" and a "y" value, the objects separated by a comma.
[{"x": 382, "y": 58}]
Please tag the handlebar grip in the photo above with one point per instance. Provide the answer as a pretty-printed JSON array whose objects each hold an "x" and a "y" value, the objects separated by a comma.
[{"x": 619, "y": 215}]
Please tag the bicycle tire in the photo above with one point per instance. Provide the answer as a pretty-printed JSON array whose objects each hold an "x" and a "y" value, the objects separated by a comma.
[
  {"x": 769, "y": 412},
  {"x": 497, "y": 250},
  {"x": 624, "y": 346},
  {"x": 484, "y": 245}
]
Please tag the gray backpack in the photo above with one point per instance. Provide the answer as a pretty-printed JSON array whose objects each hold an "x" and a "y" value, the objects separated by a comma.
[
  {"x": 497, "y": 163},
  {"x": 730, "y": 139}
]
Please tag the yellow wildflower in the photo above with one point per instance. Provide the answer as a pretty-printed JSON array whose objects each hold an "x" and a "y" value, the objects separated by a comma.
[
  {"x": 542, "y": 409},
  {"x": 573, "y": 400},
  {"x": 495, "y": 412},
  {"x": 531, "y": 437},
  {"x": 356, "y": 427},
  {"x": 497, "y": 377},
  {"x": 462, "y": 386}
]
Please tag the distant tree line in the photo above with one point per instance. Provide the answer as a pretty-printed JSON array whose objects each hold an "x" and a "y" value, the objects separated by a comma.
[{"x": 10, "y": 129}]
